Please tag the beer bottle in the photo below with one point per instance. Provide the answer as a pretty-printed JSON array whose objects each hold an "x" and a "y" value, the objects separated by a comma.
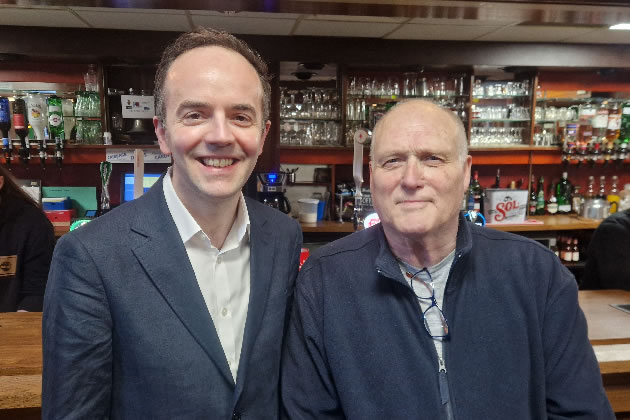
[
  {"x": 533, "y": 198},
  {"x": 552, "y": 204},
  {"x": 613, "y": 195},
  {"x": 575, "y": 251},
  {"x": 563, "y": 189},
  {"x": 540, "y": 197}
]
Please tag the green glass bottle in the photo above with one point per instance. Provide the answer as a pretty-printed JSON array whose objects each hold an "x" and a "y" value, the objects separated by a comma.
[
  {"x": 540, "y": 197},
  {"x": 55, "y": 117}
]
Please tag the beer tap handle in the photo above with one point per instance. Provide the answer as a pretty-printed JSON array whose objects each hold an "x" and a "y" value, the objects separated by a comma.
[
  {"x": 42, "y": 148},
  {"x": 59, "y": 152},
  {"x": 7, "y": 149},
  {"x": 25, "y": 150}
]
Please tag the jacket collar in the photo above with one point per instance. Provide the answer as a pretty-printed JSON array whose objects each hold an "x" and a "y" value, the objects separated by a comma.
[{"x": 387, "y": 264}]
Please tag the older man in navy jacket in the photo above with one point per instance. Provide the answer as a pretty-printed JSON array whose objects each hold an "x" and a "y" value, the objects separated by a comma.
[{"x": 427, "y": 316}]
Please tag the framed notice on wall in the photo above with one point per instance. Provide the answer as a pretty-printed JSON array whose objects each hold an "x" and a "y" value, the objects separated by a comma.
[{"x": 136, "y": 106}]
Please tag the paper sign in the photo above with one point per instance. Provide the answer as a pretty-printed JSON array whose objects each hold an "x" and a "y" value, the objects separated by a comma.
[
  {"x": 127, "y": 156},
  {"x": 136, "y": 106}
]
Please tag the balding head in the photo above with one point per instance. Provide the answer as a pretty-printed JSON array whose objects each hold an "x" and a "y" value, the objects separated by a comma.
[{"x": 428, "y": 113}]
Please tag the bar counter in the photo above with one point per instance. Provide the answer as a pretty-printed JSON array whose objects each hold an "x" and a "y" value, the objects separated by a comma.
[
  {"x": 21, "y": 356},
  {"x": 532, "y": 224}
]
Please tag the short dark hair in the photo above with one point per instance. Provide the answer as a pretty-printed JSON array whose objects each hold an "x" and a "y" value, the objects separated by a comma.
[
  {"x": 206, "y": 37},
  {"x": 12, "y": 189}
]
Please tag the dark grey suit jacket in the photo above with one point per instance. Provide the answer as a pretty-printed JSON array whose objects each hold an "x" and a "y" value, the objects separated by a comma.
[{"x": 127, "y": 334}]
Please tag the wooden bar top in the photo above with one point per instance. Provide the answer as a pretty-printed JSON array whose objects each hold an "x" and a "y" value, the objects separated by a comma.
[
  {"x": 543, "y": 223},
  {"x": 20, "y": 360},
  {"x": 606, "y": 325}
]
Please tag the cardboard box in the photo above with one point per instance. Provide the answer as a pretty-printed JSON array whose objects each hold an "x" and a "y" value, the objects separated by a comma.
[
  {"x": 58, "y": 203},
  {"x": 505, "y": 206}
]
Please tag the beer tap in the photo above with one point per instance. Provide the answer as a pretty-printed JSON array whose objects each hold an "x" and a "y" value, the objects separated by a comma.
[
  {"x": 7, "y": 149},
  {"x": 19, "y": 124},
  {"x": 594, "y": 156},
  {"x": 59, "y": 151},
  {"x": 42, "y": 149},
  {"x": 360, "y": 137}
]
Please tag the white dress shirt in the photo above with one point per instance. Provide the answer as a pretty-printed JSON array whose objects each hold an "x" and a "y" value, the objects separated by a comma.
[{"x": 223, "y": 274}]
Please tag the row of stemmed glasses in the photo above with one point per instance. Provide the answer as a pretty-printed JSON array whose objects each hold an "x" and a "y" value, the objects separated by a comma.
[{"x": 489, "y": 135}]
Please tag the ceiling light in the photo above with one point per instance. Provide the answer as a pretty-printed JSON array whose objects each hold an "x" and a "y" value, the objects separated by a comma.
[{"x": 621, "y": 26}]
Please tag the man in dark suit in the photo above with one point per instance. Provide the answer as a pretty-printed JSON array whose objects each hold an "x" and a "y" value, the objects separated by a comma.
[{"x": 174, "y": 305}]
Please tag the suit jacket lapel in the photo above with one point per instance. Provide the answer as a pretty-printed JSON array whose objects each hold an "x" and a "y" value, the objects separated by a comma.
[
  {"x": 261, "y": 264},
  {"x": 160, "y": 251}
]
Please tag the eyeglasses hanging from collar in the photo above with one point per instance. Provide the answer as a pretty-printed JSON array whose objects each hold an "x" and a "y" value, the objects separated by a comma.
[{"x": 434, "y": 320}]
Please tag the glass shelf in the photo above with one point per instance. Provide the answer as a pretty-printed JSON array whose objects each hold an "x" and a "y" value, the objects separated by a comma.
[
  {"x": 508, "y": 120},
  {"x": 308, "y": 119},
  {"x": 501, "y": 97}
]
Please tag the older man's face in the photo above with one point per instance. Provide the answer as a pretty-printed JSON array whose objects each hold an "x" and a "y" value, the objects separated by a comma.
[{"x": 417, "y": 178}]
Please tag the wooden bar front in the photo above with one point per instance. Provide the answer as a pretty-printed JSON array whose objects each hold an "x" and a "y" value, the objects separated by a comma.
[{"x": 21, "y": 354}]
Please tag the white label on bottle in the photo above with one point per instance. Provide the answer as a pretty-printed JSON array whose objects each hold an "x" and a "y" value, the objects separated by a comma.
[
  {"x": 576, "y": 256},
  {"x": 600, "y": 121},
  {"x": 626, "y": 110},
  {"x": 55, "y": 120},
  {"x": 568, "y": 256},
  {"x": 588, "y": 112},
  {"x": 54, "y": 108},
  {"x": 614, "y": 122},
  {"x": 552, "y": 208},
  {"x": 564, "y": 208}
]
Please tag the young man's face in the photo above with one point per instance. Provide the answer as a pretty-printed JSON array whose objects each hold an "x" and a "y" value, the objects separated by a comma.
[
  {"x": 213, "y": 124},
  {"x": 417, "y": 176}
]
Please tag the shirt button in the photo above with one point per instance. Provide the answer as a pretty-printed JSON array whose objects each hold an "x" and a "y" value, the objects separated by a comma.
[
  {"x": 224, "y": 312},
  {"x": 219, "y": 259}
]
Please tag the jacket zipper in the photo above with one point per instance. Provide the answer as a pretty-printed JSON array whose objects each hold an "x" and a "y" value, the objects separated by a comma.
[{"x": 443, "y": 379}]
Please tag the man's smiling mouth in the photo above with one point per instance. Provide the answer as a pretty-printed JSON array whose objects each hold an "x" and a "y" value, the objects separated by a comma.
[{"x": 217, "y": 163}]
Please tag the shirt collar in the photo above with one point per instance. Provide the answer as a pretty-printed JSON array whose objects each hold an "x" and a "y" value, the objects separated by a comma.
[{"x": 188, "y": 227}]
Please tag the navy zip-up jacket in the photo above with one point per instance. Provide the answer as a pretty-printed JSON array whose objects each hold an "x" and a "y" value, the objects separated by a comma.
[{"x": 518, "y": 348}]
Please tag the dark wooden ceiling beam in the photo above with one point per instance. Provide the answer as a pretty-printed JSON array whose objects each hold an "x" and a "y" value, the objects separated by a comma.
[{"x": 573, "y": 12}]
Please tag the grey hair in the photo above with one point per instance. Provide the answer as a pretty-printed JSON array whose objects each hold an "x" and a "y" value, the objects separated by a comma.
[{"x": 459, "y": 132}]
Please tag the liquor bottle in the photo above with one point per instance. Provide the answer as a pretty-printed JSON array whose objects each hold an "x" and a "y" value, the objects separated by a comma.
[
  {"x": 602, "y": 187},
  {"x": 613, "y": 195},
  {"x": 563, "y": 194},
  {"x": 91, "y": 79},
  {"x": 575, "y": 255},
  {"x": 540, "y": 197},
  {"x": 36, "y": 114},
  {"x": 614, "y": 122},
  {"x": 567, "y": 255},
  {"x": 19, "y": 125},
  {"x": 533, "y": 198},
  {"x": 577, "y": 200},
  {"x": 585, "y": 120},
  {"x": 477, "y": 192},
  {"x": 624, "y": 135},
  {"x": 552, "y": 203},
  {"x": 497, "y": 180},
  {"x": 5, "y": 117},
  {"x": 600, "y": 121},
  {"x": 554, "y": 247},
  {"x": 590, "y": 189},
  {"x": 55, "y": 117}
]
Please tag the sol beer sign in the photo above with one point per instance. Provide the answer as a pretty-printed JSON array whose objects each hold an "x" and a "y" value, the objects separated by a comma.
[{"x": 505, "y": 205}]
